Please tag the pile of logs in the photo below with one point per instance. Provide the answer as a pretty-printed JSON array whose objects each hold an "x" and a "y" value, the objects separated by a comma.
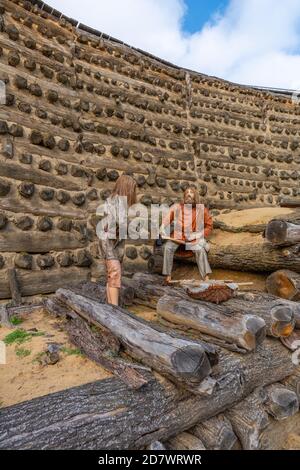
[
  {"x": 284, "y": 283},
  {"x": 199, "y": 376}
]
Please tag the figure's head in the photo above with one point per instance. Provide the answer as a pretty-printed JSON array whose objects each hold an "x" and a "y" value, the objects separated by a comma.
[
  {"x": 191, "y": 196},
  {"x": 126, "y": 186}
]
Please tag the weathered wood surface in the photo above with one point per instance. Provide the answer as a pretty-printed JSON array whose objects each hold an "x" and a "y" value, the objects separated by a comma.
[
  {"x": 281, "y": 233},
  {"x": 16, "y": 294},
  {"x": 279, "y": 315},
  {"x": 97, "y": 291},
  {"x": 216, "y": 433},
  {"x": 100, "y": 346},
  {"x": 179, "y": 359},
  {"x": 107, "y": 415},
  {"x": 281, "y": 402},
  {"x": 248, "y": 419},
  {"x": 256, "y": 257},
  {"x": 293, "y": 381},
  {"x": 44, "y": 281},
  {"x": 245, "y": 330},
  {"x": 185, "y": 441},
  {"x": 40, "y": 242},
  {"x": 284, "y": 283}
]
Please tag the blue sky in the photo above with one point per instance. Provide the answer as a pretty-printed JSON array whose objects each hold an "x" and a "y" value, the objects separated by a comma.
[
  {"x": 198, "y": 12},
  {"x": 253, "y": 42}
]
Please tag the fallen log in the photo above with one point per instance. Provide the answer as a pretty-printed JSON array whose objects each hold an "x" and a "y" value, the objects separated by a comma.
[
  {"x": 293, "y": 381},
  {"x": 180, "y": 359},
  {"x": 248, "y": 419},
  {"x": 281, "y": 402},
  {"x": 216, "y": 433},
  {"x": 282, "y": 233},
  {"x": 245, "y": 330},
  {"x": 279, "y": 315},
  {"x": 97, "y": 291},
  {"x": 185, "y": 441},
  {"x": 107, "y": 415},
  {"x": 284, "y": 284},
  {"x": 99, "y": 346},
  {"x": 256, "y": 257}
]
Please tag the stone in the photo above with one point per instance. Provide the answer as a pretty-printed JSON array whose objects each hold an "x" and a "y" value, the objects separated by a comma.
[
  {"x": 24, "y": 222},
  {"x": 44, "y": 224},
  {"x": 23, "y": 261},
  {"x": 45, "y": 261},
  {"x": 26, "y": 189},
  {"x": 4, "y": 188}
]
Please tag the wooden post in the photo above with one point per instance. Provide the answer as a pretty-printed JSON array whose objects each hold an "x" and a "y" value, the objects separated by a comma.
[{"x": 14, "y": 287}]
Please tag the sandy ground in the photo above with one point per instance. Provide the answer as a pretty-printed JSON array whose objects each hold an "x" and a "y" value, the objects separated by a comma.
[
  {"x": 23, "y": 378},
  {"x": 256, "y": 216}
]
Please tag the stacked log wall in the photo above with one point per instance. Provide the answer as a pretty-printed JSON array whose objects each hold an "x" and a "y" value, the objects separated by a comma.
[{"x": 82, "y": 109}]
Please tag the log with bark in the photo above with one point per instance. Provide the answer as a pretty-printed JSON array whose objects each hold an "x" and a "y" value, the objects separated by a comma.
[
  {"x": 97, "y": 291},
  {"x": 279, "y": 315},
  {"x": 182, "y": 360},
  {"x": 256, "y": 257},
  {"x": 108, "y": 415},
  {"x": 244, "y": 330},
  {"x": 185, "y": 441},
  {"x": 216, "y": 433},
  {"x": 99, "y": 345},
  {"x": 282, "y": 233},
  {"x": 284, "y": 284},
  {"x": 248, "y": 419}
]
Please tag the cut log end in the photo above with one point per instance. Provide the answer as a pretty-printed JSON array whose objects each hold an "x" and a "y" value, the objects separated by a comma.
[
  {"x": 191, "y": 363},
  {"x": 282, "y": 403},
  {"x": 276, "y": 232},
  {"x": 284, "y": 322},
  {"x": 255, "y": 334}
]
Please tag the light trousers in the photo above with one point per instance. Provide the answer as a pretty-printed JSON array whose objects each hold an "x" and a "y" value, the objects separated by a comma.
[{"x": 170, "y": 248}]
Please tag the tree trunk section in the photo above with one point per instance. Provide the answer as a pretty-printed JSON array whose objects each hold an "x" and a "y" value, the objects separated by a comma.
[
  {"x": 282, "y": 233},
  {"x": 182, "y": 360},
  {"x": 216, "y": 433},
  {"x": 107, "y": 415},
  {"x": 245, "y": 330}
]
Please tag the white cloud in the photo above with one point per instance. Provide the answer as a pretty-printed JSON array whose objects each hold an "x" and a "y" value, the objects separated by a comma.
[{"x": 253, "y": 42}]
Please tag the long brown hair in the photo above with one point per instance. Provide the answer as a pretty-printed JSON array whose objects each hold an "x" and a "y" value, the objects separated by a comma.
[{"x": 126, "y": 186}]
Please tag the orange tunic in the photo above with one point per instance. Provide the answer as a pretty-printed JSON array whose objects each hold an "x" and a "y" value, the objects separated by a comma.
[{"x": 179, "y": 232}]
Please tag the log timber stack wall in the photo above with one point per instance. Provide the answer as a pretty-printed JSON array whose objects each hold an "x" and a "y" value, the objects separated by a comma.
[{"x": 82, "y": 108}]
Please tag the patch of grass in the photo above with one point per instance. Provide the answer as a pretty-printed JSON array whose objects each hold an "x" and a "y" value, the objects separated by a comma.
[
  {"x": 20, "y": 336},
  {"x": 14, "y": 320},
  {"x": 71, "y": 352},
  {"x": 21, "y": 352}
]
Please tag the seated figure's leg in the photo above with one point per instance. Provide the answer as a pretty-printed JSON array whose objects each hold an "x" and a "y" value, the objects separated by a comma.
[
  {"x": 169, "y": 249},
  {"x": 202, "y": 262}
]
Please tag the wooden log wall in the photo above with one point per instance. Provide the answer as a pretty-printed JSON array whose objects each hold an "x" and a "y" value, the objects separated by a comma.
[{"x": 81, "y": 110}]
